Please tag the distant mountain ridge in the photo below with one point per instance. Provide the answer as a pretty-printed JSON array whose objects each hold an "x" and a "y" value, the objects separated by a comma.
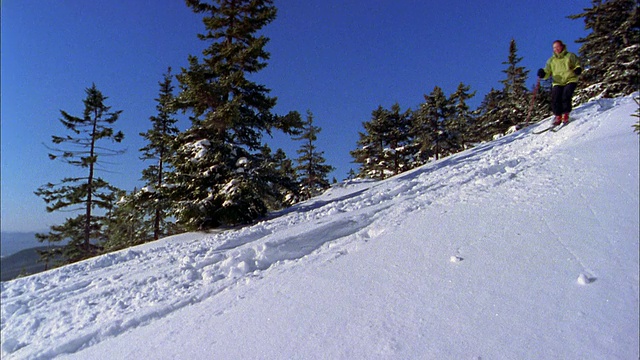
[
  {"x": 12, "y": 242},
  {"x": 24, "y": 262}
]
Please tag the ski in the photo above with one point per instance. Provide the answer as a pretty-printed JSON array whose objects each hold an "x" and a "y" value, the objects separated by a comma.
[
  {"x": 561, "y": 126},
  {"x": 553, "y": 128},
  {"x": 557, "y": 128},
  {"x": 545, "y": 130}
]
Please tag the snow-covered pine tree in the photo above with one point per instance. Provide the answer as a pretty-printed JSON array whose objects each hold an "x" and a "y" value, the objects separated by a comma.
[
  {"x": 429, "y": 131},
  {"x": 370, "y": 151},
  {"x": 126, "y": 223},
  {"x": 217, "y": 178},
  {"x": 312, "y": 169},
  {"x": 487, "y": 116},
  {"x": 384, "y": 148},
  {"x": 82, "y": 148},
  {"x": 609, "y": 54},
  {"x": 286, "y": 181},
  {"x": 423, "y": 134},
  {"x": 398, "y": 155},
  {"x": 276, "y": 179}
]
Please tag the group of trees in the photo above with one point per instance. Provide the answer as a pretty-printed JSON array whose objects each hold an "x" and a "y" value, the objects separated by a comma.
[
  {"x": 609, "y": 53},
  {"x": 394, "y": 141},
  {"x": 220, "y": 172}
]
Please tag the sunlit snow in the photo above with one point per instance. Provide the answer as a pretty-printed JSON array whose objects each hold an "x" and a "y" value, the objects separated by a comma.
[{"x": 522, "y": 248}]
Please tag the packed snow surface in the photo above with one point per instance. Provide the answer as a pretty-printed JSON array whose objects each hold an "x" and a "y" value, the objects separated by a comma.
[{"x": 522, "y": 248}]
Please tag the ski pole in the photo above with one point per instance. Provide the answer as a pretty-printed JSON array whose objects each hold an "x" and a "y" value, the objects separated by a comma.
[{"x": 533, "y": 100}]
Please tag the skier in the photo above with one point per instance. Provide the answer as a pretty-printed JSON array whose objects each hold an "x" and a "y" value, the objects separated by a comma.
[{"x": 564, "y": 68}]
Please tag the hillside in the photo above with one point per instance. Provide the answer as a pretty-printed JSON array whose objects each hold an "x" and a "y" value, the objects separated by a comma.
[
  {"x": 21, "y": 263},
  {"x": 522, "y": 248}
]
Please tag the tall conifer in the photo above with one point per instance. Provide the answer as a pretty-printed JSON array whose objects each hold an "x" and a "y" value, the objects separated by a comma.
[
  {"x": 504, "y": 108},
  {"x": 312, "y": 169},
  {"x": 459, "y": 125},
  {"x": 159, "y": 149},
  {"x": 516, "y": 96},
  {"x": 82, "y": 147},
  {"x": 218, "y": 176}
]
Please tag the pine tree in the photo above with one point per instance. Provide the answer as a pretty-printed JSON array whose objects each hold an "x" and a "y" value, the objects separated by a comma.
[
  {"x": 218, "y": 166},
  {"x": 277, "y": 179},
  {"x": 516, "y": 95},
  {"x": 397, "y": 154},
  {"x": 287, "y": 183},
  {"x": 609, "y": 54},
  {"x": 312, "y": 170},
  {"x": 488, "y": 116},
  {"x": 542, "y": 105},
  {"x": 351, "y": 175},
  {"x": 126, "y": 223},
  {"x": 429, "y": 130},
  {"x": 502, "y": 109},
  {"x": 160, "y": 139},
  {"x": 460, "y": 124},
  {"x": 370, "y": 147},
  {"x": 89, "y": 192}
]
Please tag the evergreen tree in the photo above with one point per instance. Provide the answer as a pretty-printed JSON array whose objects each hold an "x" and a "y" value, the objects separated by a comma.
[
  {"x": 488, "y": 116},
  {"x": 277, "y": 178},
  {"x": 159, "y": 149},
  {"x": 82, "y": 149},
  {"x": 460, "y": 124},
  {"x": 383, "y": 149},
  {"x": 289, "y": 186},
  {"x": 636, "y": 126},
  {"x": 502, "y": 109},
  {"x": 370, "y": 147},
  {"x": 351, "y": 175},
  {"x": 430, "y": 133},
  {"x": 125, "y": 223},
  {"x": 609, "y": 54},
  {"x": 218, "y": 164},
  {"x": 516, "y": 95},
  {"x": 312, "y": 170},
  {"x": 397, "y": 154}
]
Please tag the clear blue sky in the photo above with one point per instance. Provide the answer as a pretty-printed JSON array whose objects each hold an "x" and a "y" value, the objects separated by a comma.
[{"x": 339, "y": 59}]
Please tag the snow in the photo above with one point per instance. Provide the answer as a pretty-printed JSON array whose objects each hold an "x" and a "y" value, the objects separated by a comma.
[
  {"x": 199, "y": 149},
  {"x": 522, "y": 248}
]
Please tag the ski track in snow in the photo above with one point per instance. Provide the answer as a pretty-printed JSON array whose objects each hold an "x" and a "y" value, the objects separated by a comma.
[{"x": 187, "y": 269}]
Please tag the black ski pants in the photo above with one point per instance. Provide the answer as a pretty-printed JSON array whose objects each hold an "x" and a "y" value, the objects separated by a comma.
[{"x": 561, "y": 98}]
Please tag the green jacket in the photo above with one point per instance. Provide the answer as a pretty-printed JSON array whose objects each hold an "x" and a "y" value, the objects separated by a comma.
[{"x": 561, "y": 68}]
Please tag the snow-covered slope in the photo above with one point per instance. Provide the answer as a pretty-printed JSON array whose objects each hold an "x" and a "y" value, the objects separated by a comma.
[{"x": 522, "y": 248}]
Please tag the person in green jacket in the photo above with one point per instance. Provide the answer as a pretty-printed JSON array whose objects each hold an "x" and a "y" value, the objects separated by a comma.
[{"x": 564, "y": 68}]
